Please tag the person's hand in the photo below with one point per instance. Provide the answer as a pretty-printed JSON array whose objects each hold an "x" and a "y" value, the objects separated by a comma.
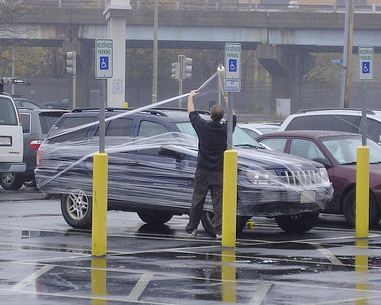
[{"x": 194, "y": 92}]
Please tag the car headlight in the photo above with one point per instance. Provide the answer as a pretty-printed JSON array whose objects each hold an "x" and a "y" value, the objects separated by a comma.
[
  {"x": 323, "y": 173},
  {"x": 262, "y": 177}
]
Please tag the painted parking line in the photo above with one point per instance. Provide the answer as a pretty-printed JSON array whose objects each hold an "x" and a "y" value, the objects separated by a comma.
[
  {"x": 260, "y": 294},
  {"x": 140, "y": 287},
  {"x": 328, "y": 254},
  {"x": 31, "y": 278}
]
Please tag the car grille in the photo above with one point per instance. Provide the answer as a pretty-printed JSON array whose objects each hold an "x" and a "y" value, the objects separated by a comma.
[{"x": 301, "y": 177}]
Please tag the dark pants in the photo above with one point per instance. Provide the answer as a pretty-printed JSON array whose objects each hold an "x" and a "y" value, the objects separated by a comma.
[{"x": 203, "y": 182}]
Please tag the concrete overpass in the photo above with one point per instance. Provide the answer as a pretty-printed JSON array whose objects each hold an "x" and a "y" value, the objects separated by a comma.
[{"x": 283, "y": 39}]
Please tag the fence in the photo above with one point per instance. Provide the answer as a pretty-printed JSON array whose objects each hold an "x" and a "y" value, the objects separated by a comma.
[{"x": 201, "y": 5}]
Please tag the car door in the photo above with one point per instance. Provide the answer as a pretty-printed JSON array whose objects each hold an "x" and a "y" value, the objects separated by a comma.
[{"x": 159, "y": 178}]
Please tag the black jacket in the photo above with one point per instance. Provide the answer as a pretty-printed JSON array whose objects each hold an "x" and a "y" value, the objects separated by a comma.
[{"x": 212, "y": 144}]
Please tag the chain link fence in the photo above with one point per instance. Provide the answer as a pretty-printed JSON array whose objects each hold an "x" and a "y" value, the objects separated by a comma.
[{"x": 247, "y": 5}]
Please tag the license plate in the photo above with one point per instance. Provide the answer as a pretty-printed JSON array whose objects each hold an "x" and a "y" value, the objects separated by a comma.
[
  {"x": 5, "y": 141},
  {"x": 307, "y": 196}
]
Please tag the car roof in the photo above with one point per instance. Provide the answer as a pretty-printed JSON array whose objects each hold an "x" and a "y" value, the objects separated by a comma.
[
  {"x": 42, "y": 110},
  {"x": 174, "y": 115},
  {"x": 309, "y": 133},
  {"x": 343, "y": 111}
]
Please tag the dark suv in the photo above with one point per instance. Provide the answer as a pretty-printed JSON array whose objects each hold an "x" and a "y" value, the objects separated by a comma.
[
  {"x": 35, "y": 125},
  {"x": 152, "y": 160}
]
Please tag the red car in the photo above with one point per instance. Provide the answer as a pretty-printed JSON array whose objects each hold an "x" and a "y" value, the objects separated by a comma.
[{"x": 338, "y": 152}]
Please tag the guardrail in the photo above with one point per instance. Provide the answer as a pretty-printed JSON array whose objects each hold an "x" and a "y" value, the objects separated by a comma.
[{"x": 202, "y": 5}]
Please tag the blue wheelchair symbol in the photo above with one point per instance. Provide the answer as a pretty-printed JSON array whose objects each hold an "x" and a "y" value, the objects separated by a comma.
[
  {"x": 103, "y": 64},
  {"x": 366, "y": 67},
  {"x": 233, "y": 65}
]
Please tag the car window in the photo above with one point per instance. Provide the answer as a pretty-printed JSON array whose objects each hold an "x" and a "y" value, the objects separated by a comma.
[
  {"x": 348, "y": 123},
  {"x": 276, "y": 144},
  {"x": 374, "y": 130},
  {"x": 344, "y": 149},
  {"x": 7, "y": 112},
  {"x": 305, "y": 149},
  {"x": 47, "y": 120},
  {"x": 150, "y": 129},
  {"x": 240, "y": 137},
  {"x": 301, "y": 123},
  {"x": 250, "y": 132},
  {"x": 118, "y": 127},
  {"x": 70, "y": 122},
  {"x": 25, "y": 122}
]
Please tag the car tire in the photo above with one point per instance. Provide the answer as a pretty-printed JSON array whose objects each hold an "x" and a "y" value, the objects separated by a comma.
[
  {"x": 12, "y": 181},
  {"x": 76, "y": 209},
  {"x": 156, "y": 218},
  {"x": 208, "y": 219},
  {"x": 297, "y": 223},
  {"x": 349, "y": 209}
]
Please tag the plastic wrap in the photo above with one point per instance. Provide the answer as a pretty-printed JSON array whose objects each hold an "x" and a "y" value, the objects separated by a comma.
[{"x": 159, "y": 171}]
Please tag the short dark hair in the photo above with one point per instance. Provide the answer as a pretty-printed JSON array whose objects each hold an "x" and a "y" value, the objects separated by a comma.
[{"x": 217, "y": 113}]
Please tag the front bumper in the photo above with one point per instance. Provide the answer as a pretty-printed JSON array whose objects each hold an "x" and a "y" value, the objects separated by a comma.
[{"x": 271, "y": 202}]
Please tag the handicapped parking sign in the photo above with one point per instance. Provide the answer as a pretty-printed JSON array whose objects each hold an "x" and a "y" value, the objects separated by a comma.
[
  {"x": 103, "y": 64},
  {"x": 365, "y": 55},
  {"x": 365, "y": 67},
  {"x": 233, "y": 64}
]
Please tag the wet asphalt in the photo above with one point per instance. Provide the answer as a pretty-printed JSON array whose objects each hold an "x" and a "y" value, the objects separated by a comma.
[{"x": 44, "y": 261}]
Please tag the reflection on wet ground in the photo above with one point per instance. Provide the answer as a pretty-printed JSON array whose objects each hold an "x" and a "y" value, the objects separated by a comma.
[{"x": 42, "y": 261}]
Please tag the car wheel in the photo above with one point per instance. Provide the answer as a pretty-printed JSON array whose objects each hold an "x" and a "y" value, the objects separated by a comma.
[
  {"x": 12, "y": 181},
  {"x": 349, "y": 209},
  {"x": 76, "y": 209},
  {"x": 297, "y": 223},
  {"x": 155, "y": 217},
  {"x": 208, "y": 221}
]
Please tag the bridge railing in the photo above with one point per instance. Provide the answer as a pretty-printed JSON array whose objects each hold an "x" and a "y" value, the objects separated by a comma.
[{"x": 201, "y": 5}]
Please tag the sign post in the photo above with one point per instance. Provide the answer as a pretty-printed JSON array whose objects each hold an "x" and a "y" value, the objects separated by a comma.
[
  {"x": 103, "y": 70},
  {"x": 229, "y": 205},
  {"x": 362, "y": 175}
]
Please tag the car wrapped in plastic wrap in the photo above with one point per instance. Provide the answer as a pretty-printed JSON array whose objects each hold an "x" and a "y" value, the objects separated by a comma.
[{"x": 152, "y": 158}]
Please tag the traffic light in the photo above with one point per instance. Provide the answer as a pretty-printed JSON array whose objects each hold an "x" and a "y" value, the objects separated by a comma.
[
  {"x": 187, "y": 67},
  {"x": 175, "y": 70},
  {"x": 71, "y": 62}
]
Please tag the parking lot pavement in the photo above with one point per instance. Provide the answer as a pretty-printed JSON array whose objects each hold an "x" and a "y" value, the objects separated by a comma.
[{"x": 43, "y": 261}]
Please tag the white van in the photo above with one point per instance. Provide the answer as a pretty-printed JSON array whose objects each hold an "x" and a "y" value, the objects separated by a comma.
[
  {"x": 11, "y": 136},
  {"x": 348, "y": 120}
]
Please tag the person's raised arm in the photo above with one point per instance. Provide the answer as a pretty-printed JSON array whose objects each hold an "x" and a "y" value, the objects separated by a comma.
[
  {"x": 227, "y": 103},
  {"x": 190, "y": 100}
]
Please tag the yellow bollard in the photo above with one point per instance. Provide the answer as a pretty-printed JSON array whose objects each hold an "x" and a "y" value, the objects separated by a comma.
[
  {"x": 229, "y": 205},
  {"x": 99, "y": 219},
  {"x": 362, "y": 192}
]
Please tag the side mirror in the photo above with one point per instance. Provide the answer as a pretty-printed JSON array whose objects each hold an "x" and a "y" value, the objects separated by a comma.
[{"x": 163, "y": 151}]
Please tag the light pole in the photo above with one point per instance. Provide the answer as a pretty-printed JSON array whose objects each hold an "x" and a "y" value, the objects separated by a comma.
[{"x": 155, "y": 51}]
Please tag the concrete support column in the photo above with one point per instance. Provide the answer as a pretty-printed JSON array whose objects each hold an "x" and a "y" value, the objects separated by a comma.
[
  {"x": 287, "y": 66},
  {"x": 114, "y": 14},
  {"x": 116, "y": 94}
]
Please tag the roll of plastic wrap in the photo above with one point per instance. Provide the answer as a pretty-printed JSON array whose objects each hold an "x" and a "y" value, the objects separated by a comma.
[{"x": 221, "y": 75}]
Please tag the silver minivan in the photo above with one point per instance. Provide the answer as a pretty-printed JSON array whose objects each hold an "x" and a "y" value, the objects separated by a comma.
[
  {"x": 348, "y": 120},
  {"x": 11, "y": 136}
]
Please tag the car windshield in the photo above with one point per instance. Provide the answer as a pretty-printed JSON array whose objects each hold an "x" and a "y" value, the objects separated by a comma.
[
  {"x": 344, "y": 149},
  {"x": 240, "y": 138}
]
